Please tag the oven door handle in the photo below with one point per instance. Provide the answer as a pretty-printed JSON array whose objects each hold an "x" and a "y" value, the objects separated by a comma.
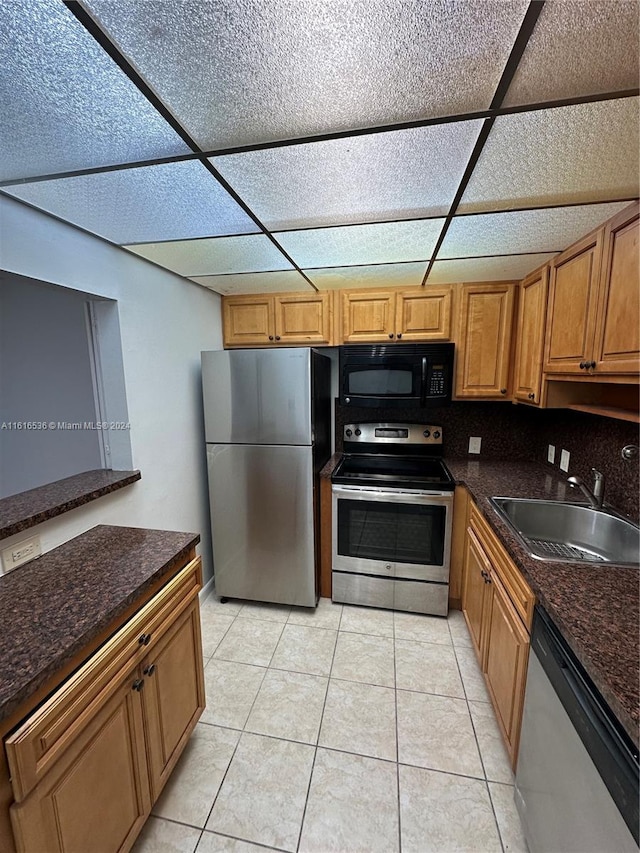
[{"x": 383, "y": 496}]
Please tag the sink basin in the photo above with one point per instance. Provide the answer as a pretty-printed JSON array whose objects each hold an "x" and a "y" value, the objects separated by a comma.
[{"x": 553, "y": 530}]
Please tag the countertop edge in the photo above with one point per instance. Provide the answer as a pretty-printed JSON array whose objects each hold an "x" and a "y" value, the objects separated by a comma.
[{"x": 26, "y": 509}]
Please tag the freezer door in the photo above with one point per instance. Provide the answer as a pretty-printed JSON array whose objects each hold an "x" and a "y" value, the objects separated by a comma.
[
  {"x": 261, "y": 502},
  {"x": 257, "y": 396}
]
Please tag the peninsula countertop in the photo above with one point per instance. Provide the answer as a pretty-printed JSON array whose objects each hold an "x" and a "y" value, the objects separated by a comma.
[{"x": 56, "y": 605}]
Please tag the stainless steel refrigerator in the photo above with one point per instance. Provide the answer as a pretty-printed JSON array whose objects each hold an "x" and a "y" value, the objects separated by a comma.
[{"x": 267, "y": 428}]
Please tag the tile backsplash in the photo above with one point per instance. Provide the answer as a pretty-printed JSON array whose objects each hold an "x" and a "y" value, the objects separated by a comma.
[{"x": 521, "y": 432}]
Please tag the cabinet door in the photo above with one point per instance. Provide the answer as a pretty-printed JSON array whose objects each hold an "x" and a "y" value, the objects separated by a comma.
[
  {"x": 247, "y": 320},
  {"x": 617, "y": 346},
  {"x": 474, "y": 591},
  {"x": 532, "y": 312},
  {"x": 173, "y": 696},
  {"x": 96, "y": 797},
  {"x": 507, "y": 653},
  {"x": 368, "y": 317},
  {"x": 302, "y": 319},
  {"x": 483, "y": 358},
  {"x": 424, "y": 315},
  {"x": 572, "y": 307}
]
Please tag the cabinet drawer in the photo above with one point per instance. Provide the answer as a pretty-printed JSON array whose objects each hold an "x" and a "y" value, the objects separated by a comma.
[
  {"x": 34, "y": 747},
  {"x": 517, "y": 588}
]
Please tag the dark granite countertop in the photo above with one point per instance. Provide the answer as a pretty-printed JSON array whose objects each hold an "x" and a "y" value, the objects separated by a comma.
[
  {"x": 54, "y": 606},
  {"x": 595, "y": 607},
  {"x": 26, "y": 509}
]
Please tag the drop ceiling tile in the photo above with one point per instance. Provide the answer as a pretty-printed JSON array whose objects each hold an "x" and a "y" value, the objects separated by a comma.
[
  {"x": 578, "y": 48},
  {"x": 385, "y": 275},
  {"x": 167, "y": 202},
  {"x": 549, "y": 229},
  {"x": 384, "y": 176},
  {"x": 587, "y": 152},
  {"x": 252, "y": 253},
  {"x": 508, "y": 268},
  {"x": 381, "y": 243},
  {"x": 65, "y": 104},
  {"x": 237, "y": 72},
  {"x": 254, "y": 282}
]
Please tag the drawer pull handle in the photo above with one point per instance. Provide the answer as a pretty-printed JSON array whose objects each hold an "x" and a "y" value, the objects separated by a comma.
[
  {"x": 138, "y": 684},
  {"x": 149, "y": 670},
  {"x": 144, "y": 639}
]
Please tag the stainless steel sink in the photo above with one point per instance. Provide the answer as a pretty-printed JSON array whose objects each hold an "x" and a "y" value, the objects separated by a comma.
[{"x": 554, "y": 530}]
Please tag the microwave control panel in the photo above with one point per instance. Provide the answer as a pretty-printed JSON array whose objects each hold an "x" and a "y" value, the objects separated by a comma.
[{"x": 437, "y": 380}]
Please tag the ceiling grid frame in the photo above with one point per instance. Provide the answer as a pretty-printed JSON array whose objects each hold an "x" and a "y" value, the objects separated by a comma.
[{"x": 488, "y": 116}]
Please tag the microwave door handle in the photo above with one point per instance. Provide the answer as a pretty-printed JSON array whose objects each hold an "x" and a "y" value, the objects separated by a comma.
[{"x": 423, "y": 389}]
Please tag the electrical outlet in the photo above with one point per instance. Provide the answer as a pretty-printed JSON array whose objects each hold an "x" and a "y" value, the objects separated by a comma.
[
  {"x": 564, "y": 460},
  {"x": 551, "y": 454},
  {"x": 474, "y": 444},
  {"x": 20, "y": 553}
]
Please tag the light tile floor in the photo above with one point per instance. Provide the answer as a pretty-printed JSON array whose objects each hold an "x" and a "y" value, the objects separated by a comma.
[{"x": 339, "y": 729}]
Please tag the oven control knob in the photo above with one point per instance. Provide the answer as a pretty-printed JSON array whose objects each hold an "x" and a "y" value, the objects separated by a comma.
[
  {"x": 348, "y": 433},
  {"x": 426, "y": 433},
  {"x": 436, "y": 433},
  {"x": 358, "y": 432}
]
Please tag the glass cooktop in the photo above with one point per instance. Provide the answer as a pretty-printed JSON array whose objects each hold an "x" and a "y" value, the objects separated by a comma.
[{"x": 415, "y": 472}]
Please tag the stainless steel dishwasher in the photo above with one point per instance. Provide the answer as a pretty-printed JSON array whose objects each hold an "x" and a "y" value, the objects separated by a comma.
[{"x": 577, "y": 776}]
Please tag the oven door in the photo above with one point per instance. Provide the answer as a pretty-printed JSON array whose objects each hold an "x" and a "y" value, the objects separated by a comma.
[{"x": 392, "y": 533}]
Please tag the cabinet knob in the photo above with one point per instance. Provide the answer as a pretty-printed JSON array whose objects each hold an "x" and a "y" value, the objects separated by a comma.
[
  {"x": 277, "y": 337},
  {"x": 391, "y": 335},
  {"x": 399, "y": 335},
  {"x": 592, "y": 365},
  {"x": 138, "y": 684},
  {"x": 503, "y": 390},
  {"x": 144, "y": 639},
  {"x": 149, "y": 670},
  {"x": 270, "y": 337},
  {"x": 531, "y": 396},
  {"x": 583, "y": 365}
]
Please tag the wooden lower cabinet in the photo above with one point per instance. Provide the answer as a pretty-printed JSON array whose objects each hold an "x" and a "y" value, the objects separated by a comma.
[
  {"x": 498, "y": 624},
  {"x": 173, "y": 696},
  {"x": 87, "y": 766},
  {"x": 506, "y": 657},
  {"x": 475, "y": 598},
  {"x": 96, "y": 797}
]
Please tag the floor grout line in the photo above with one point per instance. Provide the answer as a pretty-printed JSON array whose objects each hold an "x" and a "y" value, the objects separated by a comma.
[{"x": 459, "y": 649}]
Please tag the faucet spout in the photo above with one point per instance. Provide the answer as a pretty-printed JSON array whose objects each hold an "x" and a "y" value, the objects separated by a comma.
[{"x": 594, "y": 497}]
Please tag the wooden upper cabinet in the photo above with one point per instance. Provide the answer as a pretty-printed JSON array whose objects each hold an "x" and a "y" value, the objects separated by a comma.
[
  {"x": 572, "y": 307},
  {"x": 484, "y": 340},
  {"x": 381, "y": 316},
  {"x": 281, "y": 318},
  {"x": 617, "y": 331},
  {"x": 368, "y": 317},
  {"x": 424, "y": 315},
  {"x": 247, "y": 320},
  {"x": 532, "y": 312},
  {"x": 303, "y": 318}
]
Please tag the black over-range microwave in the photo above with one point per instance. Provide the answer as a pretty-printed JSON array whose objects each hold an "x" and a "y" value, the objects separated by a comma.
[{"x": 396, "y": 376}]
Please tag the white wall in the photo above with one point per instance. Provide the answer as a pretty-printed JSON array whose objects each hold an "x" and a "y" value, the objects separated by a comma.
[{"x": 165, "y": 322}]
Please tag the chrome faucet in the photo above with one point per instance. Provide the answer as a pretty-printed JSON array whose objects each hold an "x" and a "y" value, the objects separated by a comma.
[{"x": 594, "y": 497}]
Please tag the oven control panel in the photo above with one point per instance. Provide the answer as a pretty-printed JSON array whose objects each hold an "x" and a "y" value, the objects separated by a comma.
[{"x": 397, "y": 434}]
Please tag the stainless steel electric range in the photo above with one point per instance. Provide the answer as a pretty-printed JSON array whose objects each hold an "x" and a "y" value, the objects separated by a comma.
[{"x": 392, "y": 516}]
